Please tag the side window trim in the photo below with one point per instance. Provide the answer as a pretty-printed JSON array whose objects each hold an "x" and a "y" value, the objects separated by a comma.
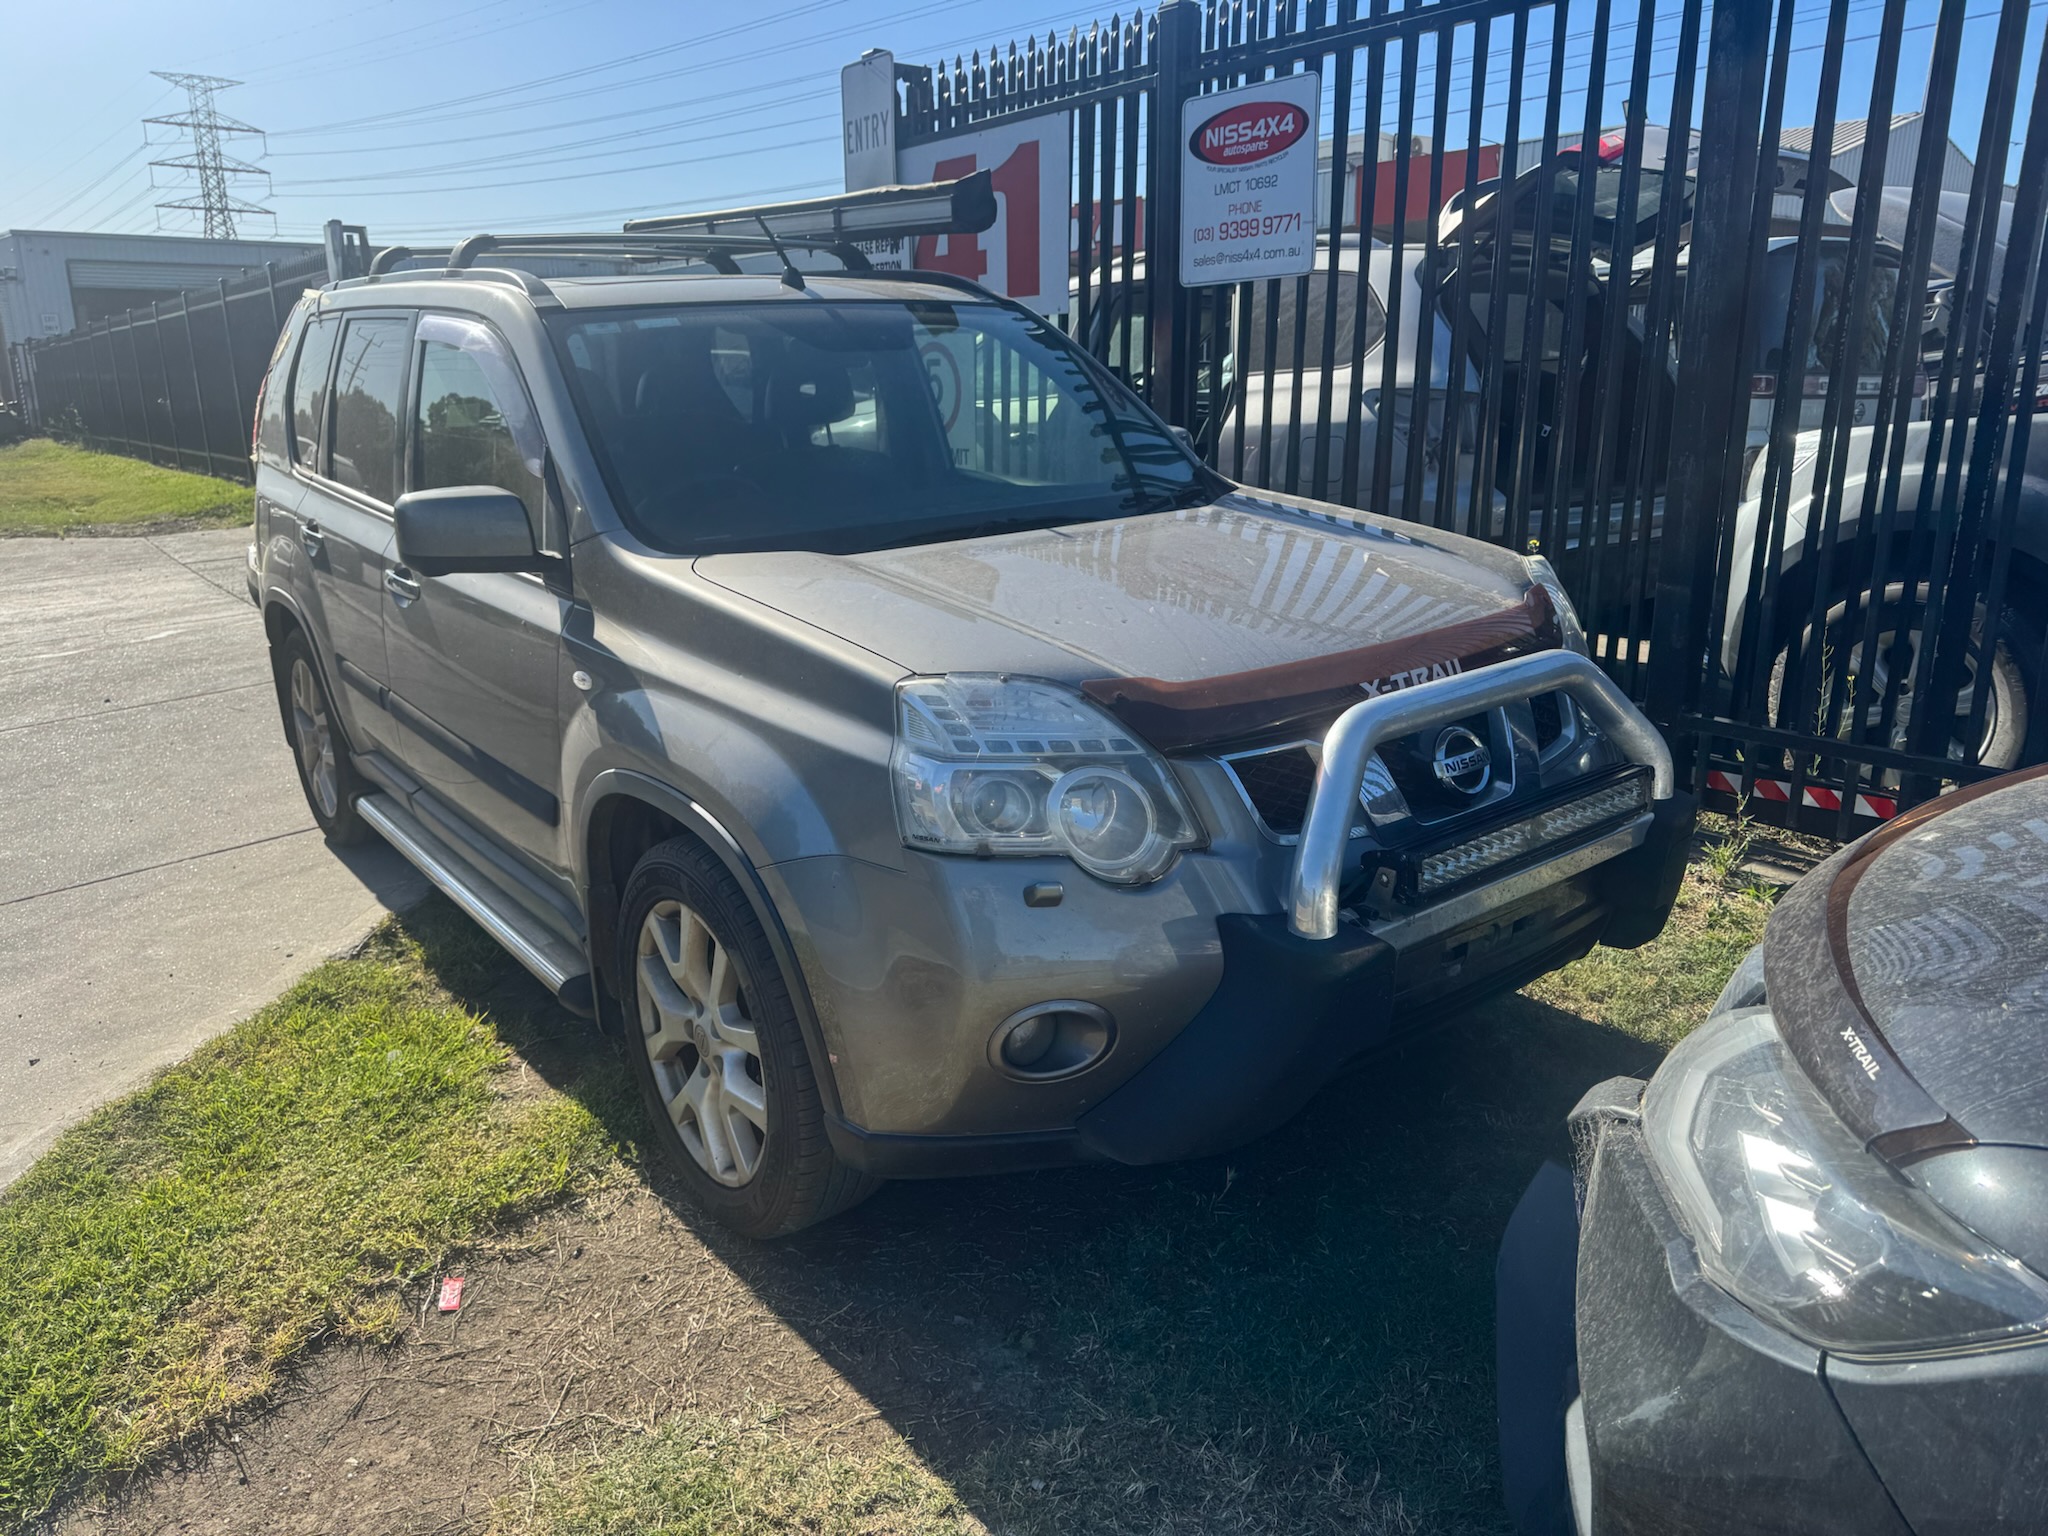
[{"x": 317, "y": 469}]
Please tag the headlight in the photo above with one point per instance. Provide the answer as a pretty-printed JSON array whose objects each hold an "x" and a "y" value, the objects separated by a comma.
[
  {"x": 1006, "y": 766},
  {"x": 1795, "y": 1219},
  {"x": 1540, "y": 573}
]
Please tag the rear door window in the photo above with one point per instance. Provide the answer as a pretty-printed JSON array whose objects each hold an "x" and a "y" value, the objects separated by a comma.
[
  {"x": 369, "y": 382},
  {"x": 472, "y": 423},
  {"x": 308, "y": 406}
]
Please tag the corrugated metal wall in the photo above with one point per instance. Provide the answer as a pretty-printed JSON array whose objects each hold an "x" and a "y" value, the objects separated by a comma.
[{"x": 46, "y": 265}]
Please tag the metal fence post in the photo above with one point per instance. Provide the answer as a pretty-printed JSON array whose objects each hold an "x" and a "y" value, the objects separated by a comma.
[
  {"x": 198, "y": 385},
  {"x": 1178, "y": 45},
  {"x": 163, "y": 368},
  {"x": 113, "y": 366},
  {"x": 141, "y": 397},
  {"x": 227, "y": 331},
  {"x": 1710, "y": 367}
]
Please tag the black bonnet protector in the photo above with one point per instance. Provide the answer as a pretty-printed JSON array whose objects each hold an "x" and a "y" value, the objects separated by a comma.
[
  {"x": 1832, "y": 1028},
  {"x": 1174, "y": 716}
]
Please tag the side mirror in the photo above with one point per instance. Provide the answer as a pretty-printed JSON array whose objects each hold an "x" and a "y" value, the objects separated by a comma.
[
  {"x": 464, "y": 528},
  {"x": 1186, "y": 439}
]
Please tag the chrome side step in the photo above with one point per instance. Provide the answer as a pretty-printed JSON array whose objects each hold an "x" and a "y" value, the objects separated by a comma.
[{"x": 562, "y": 969}]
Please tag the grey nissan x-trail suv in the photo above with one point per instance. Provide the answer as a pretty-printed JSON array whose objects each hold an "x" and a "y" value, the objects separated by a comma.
[{"x": 842, "y": 686}]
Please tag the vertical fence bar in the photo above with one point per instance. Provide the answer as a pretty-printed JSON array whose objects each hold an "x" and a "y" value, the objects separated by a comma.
[
  {"x": 198, "y": 387},
  {"x": 1361, "y": 294},
  {"x": 1340, "y": 148},
  {"x": 1178, "y": 40},
  {"x": 1459, "y": 361},
  {"x": 227, "y": 336},
  {"x": 1424, "y": 398},
  {"x": 1397, "y": 294},
  {"x": 1486, "y": 466},
  {"x": 141, "y": 397},
  {"x": 1710, "y": 358}
]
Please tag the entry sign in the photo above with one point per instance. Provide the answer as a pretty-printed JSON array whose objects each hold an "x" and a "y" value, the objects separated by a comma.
[{"x": 1248, "y": 182}]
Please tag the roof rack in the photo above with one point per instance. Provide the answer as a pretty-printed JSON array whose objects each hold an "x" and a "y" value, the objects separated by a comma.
[{"x": 835, "y": 225}]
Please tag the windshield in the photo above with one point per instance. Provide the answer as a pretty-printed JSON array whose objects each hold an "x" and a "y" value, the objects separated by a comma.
[{"x": 802, "y": 424}]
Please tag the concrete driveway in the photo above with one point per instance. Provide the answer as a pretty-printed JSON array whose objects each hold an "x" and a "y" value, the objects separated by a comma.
[{"x": 160, "y": 875}]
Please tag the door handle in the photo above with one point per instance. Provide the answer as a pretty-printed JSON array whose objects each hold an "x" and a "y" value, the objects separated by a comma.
[
  {"x": 312, "y": 537},
  {"x": 402, "y": 585}
]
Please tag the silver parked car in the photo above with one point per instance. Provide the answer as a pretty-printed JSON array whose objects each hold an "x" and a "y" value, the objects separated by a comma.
[{"x": 842, "y": 686}]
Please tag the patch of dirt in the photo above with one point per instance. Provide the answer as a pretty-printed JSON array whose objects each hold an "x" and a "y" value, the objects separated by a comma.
[{"x": 606, "y": 1318}]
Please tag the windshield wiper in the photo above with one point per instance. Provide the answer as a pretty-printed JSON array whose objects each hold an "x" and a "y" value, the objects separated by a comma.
[{"x": 1193, "y": 494}]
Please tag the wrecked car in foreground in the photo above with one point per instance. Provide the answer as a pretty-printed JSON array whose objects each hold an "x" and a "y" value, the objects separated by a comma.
[{"x": 1804, "y": 1283}]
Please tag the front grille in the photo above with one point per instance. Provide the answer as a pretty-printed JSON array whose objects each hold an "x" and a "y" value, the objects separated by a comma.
[
  {"x": 1548, "y": 708},
  {"x": 1278, "y": 784}
]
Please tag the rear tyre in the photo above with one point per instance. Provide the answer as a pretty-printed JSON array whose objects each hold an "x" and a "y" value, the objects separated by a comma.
[
  {"x": 714, "y": 1041},
  {"x": 313, "y": 731}
]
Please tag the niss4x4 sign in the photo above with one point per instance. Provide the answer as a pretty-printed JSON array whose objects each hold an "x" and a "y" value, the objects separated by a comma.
[{"x": 1248, "y": 182}]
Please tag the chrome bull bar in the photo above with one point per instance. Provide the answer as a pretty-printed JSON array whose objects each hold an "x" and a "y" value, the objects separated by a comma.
[{"x": 1365, "y": 727}]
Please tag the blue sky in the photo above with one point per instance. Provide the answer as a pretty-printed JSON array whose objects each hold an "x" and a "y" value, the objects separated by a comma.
[{"x": 436, "y": 117}]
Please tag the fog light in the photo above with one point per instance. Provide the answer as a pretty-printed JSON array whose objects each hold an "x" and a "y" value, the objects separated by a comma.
[
  {"x": 1026, "y": 1043},
  {"x": 1051, "y": 1040}
]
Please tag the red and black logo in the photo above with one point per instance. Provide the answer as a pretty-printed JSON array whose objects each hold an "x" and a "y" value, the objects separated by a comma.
[{"x": 1248, "y": 133}]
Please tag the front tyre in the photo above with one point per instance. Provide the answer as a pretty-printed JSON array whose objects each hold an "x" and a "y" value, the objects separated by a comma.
[
  {"x": 714, "y": 1041},
  {"x": 313, "y": 731}
]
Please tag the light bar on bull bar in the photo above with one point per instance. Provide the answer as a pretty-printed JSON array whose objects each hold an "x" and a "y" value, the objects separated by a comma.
[
  {"x": 1424, "y": 875},
  {"x": 966, "y": 207}
]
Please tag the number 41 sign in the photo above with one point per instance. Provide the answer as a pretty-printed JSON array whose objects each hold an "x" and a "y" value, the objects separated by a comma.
[
  {"x": 1024, "y": 254},
  {"x": 1248, "y": 182}
]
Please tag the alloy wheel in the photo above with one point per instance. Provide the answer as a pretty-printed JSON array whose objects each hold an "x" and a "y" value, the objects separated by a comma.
[
  {"x": 314, "y": 737},
  {"x": 702, "y": 1043}
]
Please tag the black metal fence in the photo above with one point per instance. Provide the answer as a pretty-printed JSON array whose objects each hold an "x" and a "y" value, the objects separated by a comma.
[
  {"x": 174, "y": 383},
  {"x": 1589, "y": 281}
]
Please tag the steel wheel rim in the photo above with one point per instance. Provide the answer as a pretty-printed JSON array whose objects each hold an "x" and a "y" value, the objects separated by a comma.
[
  {"x": 314, "y": 738},
  {"x": 1875, "y": 686},
  {"x": 702, "y": 1043}
]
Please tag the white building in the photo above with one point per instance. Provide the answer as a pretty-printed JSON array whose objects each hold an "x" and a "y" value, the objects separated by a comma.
[{"x": 53, "y": 281}]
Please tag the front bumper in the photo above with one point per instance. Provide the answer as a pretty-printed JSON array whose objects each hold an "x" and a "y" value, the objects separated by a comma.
[
  {"x": 1673, "y": 1407},
  {"x": 1695, "y": 1414},
  {"x": 1186, "y": 1085}
]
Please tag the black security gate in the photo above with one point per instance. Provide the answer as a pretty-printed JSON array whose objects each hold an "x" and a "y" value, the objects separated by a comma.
[{"x": 1751, "y": 362}]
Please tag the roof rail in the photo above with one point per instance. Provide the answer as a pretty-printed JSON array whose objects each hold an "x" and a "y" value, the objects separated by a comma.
[{"x": 836, "y": 225}]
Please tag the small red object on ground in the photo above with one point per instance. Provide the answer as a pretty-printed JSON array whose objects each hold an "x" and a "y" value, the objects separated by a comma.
[{"x": 451, "y": 1293}]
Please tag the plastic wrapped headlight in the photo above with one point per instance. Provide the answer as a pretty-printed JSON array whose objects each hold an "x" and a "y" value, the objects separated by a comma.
[
  {"x": 1008, "y": 766},
  {"x": 1798, "y": 1221},
  {"x": 1543, "y": 575}
]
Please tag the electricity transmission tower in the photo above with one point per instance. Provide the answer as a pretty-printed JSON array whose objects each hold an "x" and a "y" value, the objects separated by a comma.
[{"x": 215, "y": 202}]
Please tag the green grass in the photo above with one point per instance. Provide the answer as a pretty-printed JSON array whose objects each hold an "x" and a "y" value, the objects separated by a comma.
[
  {"x": 704, "y": 1476},
  {"x": 163, "y": 1261},
  {"x": 1658, "y": 993},
  {"x": 50, "y": 487}
]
